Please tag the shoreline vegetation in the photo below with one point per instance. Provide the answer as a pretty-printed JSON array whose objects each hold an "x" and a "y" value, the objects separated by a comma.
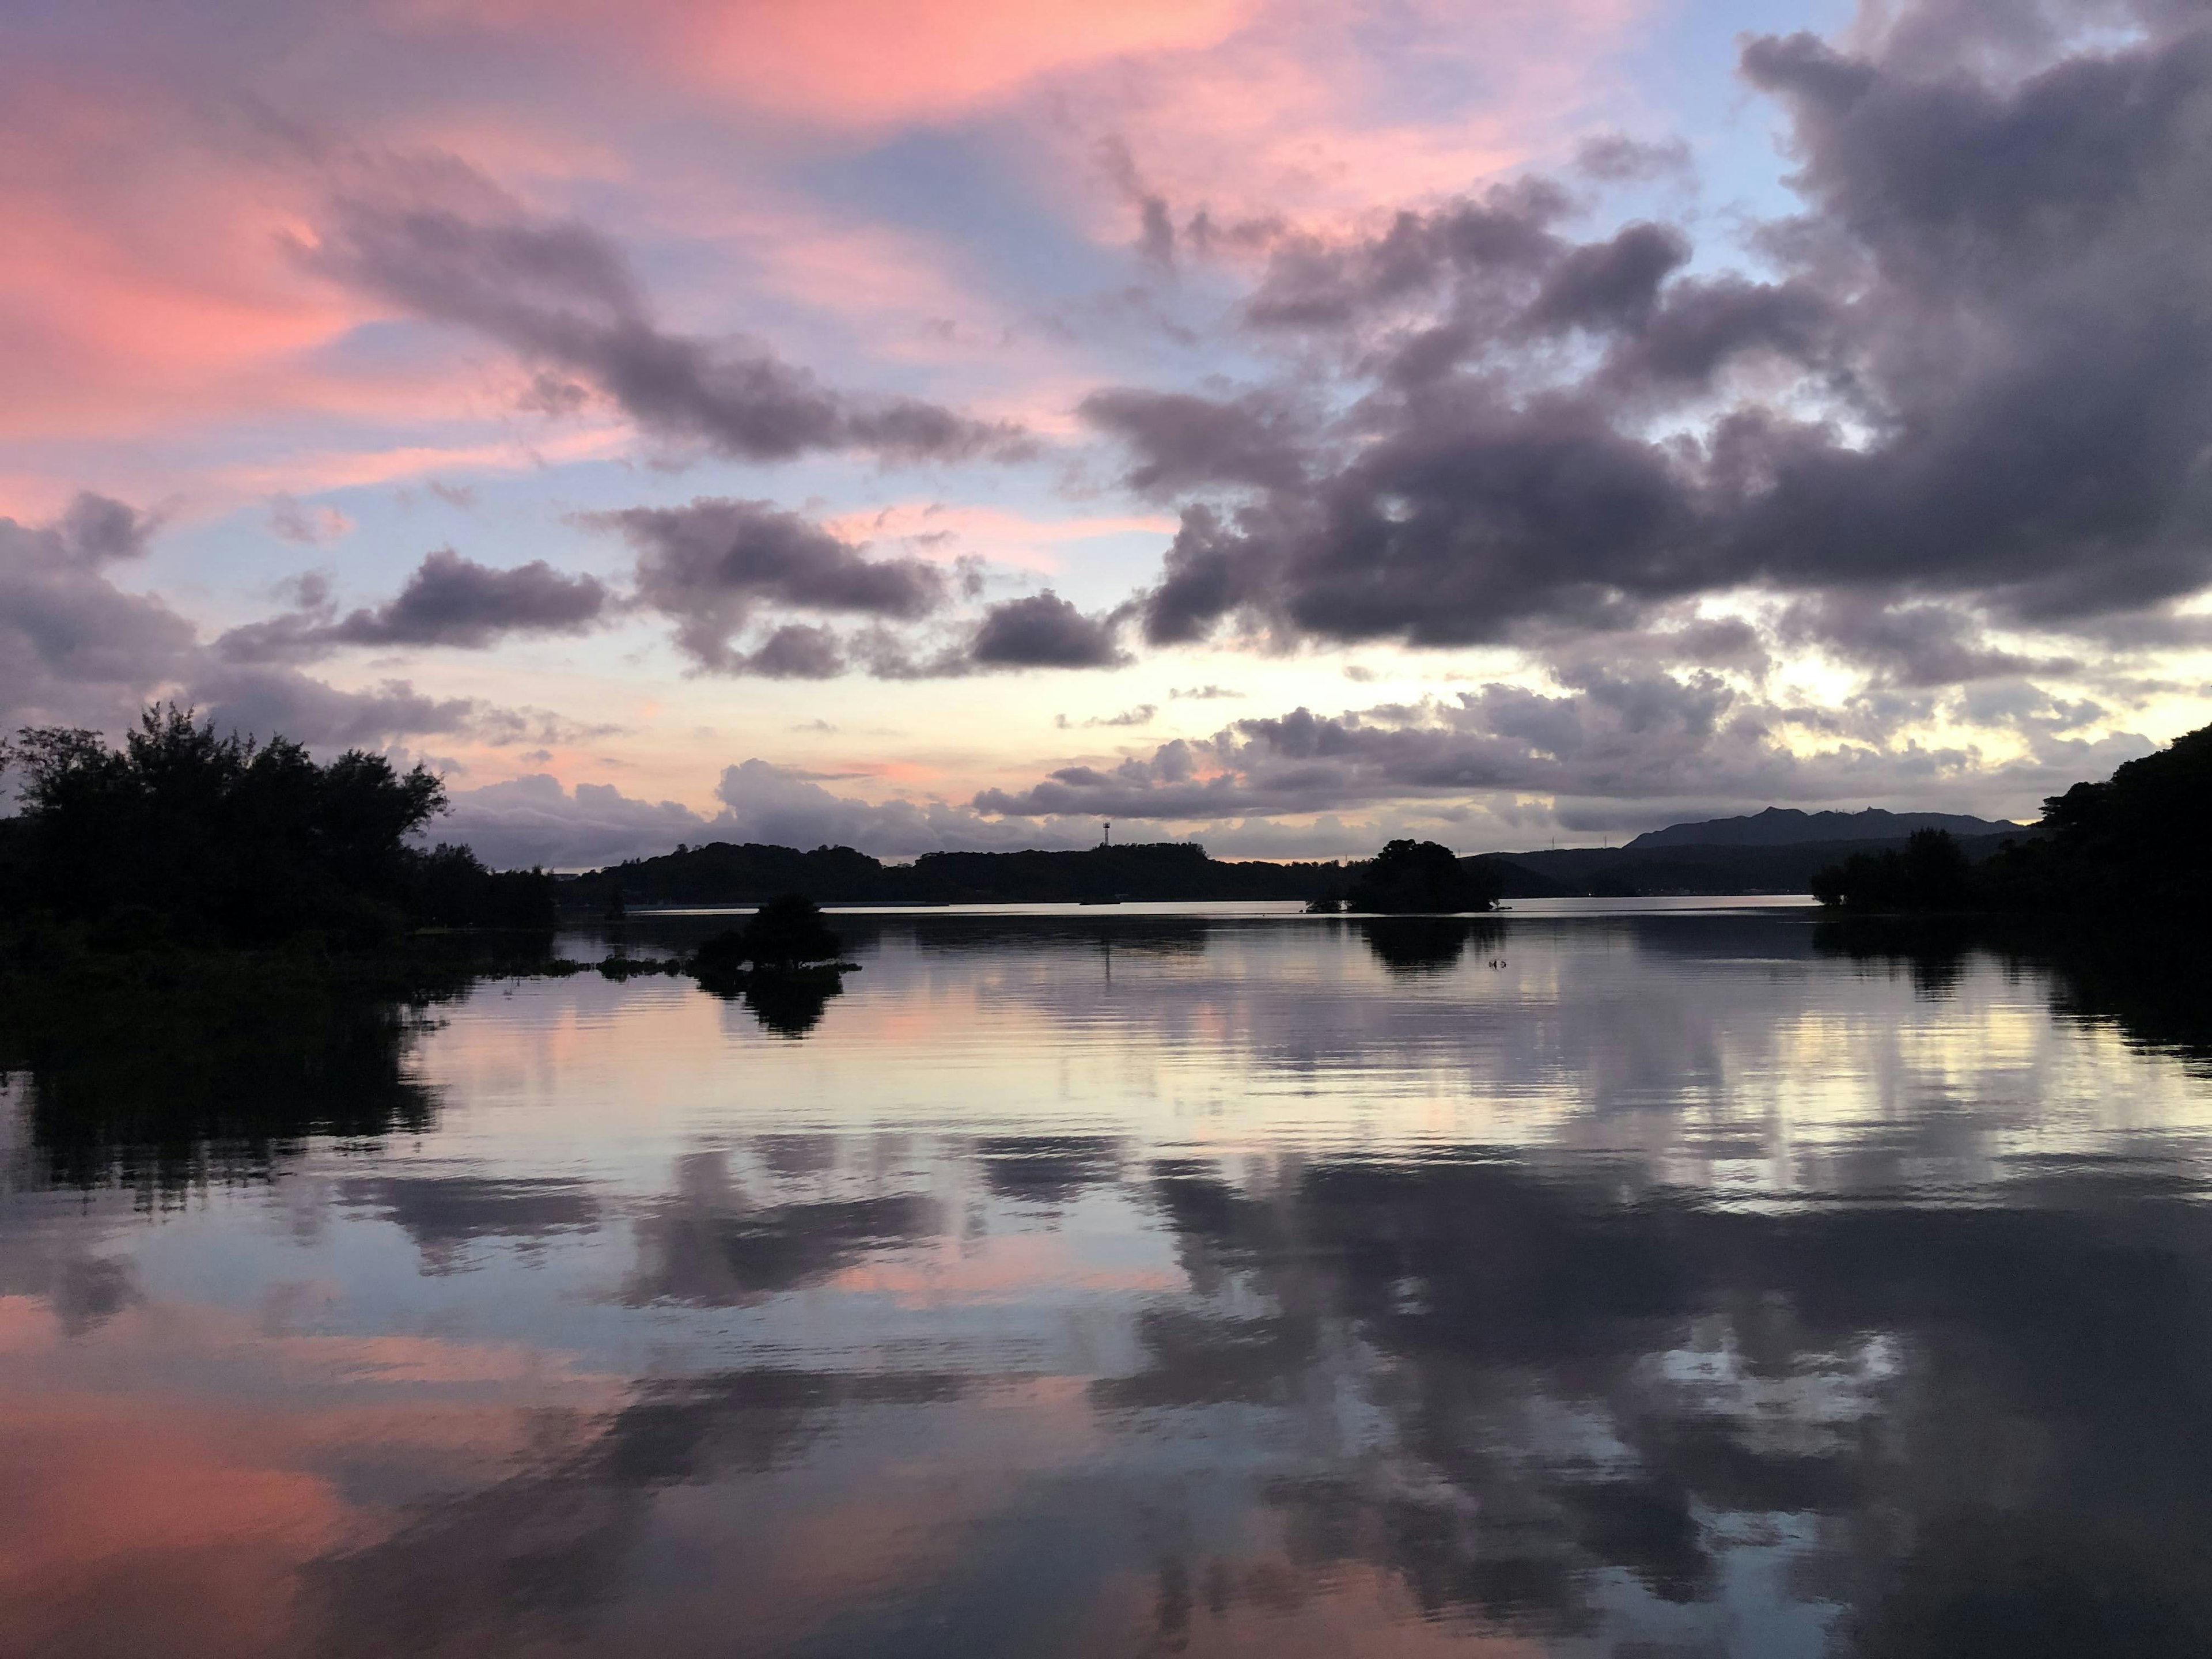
[
  {"x": 186, "y": 859},
  {"x": 2130, "y": 851}
]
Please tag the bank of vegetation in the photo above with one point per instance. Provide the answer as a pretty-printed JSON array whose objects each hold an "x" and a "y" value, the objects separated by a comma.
[
  {"x": 751, "y": 873},
  {"x": 2131, "y": 849},
  {"x": 186, "y": 840}
]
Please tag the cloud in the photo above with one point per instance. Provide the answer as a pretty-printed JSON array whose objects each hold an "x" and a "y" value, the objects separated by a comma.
[
  {"x": 1045, "y": 631},
  {"x": 535, "y": 821},
  {"x": 449, "y": 600},
  {"x": 712, "y": 565},
  {"x": 1180, "y": 440},
  {"x": 269, "y": 701},
  {"x": 292, "y": 520},
  {"x": 766, "y": 803},
  {"x": 437, "y": 239},
  {"x": 1203, "y": 694},
  {"x": 1979, "y": 376},
  {"x": 865, "y": 62},
  {"x": 794, "y": 652},
  {"x": 1613, "y": 158},
  {"x": 76, "y": 649},
  {"x": 719, "y": 568},
  {"x": 1610, "y": 285},
  {"x": 1909, "y": 645},
  {"x": 1623, "y": 743},
  {"x": 1142, "y": 714}
]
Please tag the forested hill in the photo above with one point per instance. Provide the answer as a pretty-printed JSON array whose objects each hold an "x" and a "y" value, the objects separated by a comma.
[
  {"x": 724, "y": 872},
  {"x": 1631, "y": 871},
  {"x": 1786, "y": 826}
]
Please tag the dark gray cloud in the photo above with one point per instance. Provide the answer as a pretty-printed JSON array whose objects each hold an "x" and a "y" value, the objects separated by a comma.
[
  {"x": 1978, "y": 373},
  {"x": 1614, "y": 158},
  {"x": 721, "y": 570},
  {"x": 1044, "y": 631},
  {"x": 1179, "y": 441},
  {"x": 1612, "y": 285},
  {"x": 437, "y": 241},
  {"x": 1923, "y": 644},
  {"x": 448, "y": 601},
  {"x": 451, "y": 600},
  {"x": 714, "y": 565},
  {"x": 797, "y": 651},
  {"x": 1505, "y": 236},
  {"x": 269, "y": 701},
  {"x": 75, "y": 649}
]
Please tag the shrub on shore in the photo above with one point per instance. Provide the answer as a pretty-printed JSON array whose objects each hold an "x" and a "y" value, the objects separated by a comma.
[{"x": 183, "y": 837}]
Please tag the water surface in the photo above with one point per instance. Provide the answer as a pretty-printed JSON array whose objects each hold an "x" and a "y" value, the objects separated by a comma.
[{"x": 1115, "y": 1282}]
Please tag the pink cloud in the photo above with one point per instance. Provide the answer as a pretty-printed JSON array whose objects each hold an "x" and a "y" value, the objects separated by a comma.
[
  {"x": 1310, "y": 114},
  {"x": 163, "y": 335},
  {"x": 859, "y": 62}
]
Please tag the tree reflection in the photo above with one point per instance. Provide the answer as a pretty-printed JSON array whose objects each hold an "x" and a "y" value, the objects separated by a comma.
[
  {"x": 1414, "y": 944},
  {"x": 2148, "y": 982},
  {"x": 790, "y": 1005},
  {"x": 214, "y": 1081}
]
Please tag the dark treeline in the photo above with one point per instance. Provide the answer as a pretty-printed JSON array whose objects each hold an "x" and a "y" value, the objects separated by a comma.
[
  {"x": 2134, "y": 846},
  {"x": 724, "y": 872},
  {"x": 183, "y": 837}
]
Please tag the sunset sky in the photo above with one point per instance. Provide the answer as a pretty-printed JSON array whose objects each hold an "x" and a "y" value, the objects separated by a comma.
[{"x": 946, "y": 423}]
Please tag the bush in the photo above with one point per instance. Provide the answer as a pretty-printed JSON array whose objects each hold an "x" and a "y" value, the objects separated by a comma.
[{"x": 785, "y": 934}]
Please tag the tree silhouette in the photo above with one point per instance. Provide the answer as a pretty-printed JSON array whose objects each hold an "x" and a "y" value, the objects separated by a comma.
[
  {"x": 1415, "y": 876},
  {"x": 785, "y": 935},
  {"x": 185, "y": 836}
]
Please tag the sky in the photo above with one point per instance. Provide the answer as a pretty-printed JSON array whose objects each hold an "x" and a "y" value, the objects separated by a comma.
[{"x": 922, "y": 424}]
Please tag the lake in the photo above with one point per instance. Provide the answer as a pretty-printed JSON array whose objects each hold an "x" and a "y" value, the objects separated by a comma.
[{"x": 1124, "y": 1281}]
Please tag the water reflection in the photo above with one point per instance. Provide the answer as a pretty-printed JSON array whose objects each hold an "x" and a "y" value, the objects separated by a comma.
[
  {"x": 1663, "y": 1284},
  {"x": 155, "y": 1094},
  {"x": 1416, "y": 944}
]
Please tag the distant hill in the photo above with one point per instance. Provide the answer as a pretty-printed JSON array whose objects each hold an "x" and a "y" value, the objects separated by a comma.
[
  {"x": 1630, "y": 873},
  {"x": 1786, "y": 826}
]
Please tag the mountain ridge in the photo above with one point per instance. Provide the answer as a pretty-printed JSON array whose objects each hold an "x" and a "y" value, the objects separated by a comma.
[{"x": 1787, "y": 826}]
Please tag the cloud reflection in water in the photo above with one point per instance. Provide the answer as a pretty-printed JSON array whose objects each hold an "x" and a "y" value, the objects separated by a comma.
[{"x": 1681, "y": 1284}]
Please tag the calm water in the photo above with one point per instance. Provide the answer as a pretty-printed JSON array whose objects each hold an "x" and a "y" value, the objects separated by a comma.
[{"x": 1112, "y": 1284}]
